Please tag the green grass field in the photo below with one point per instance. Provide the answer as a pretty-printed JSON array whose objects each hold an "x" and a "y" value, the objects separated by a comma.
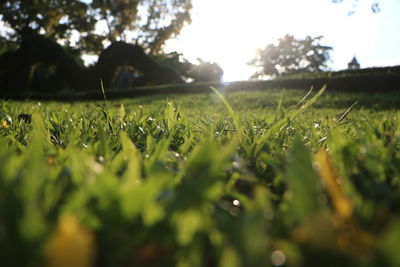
[{"x": 260, "y": 178}]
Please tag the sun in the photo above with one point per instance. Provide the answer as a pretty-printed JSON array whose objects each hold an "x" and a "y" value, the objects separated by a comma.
[{"x": 229, "y": 33}]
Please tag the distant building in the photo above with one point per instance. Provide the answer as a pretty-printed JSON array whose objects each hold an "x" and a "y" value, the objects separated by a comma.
[{"x": 353, "y": 64}]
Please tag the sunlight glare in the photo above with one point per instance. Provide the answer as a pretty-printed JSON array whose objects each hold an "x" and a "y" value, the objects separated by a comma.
[
  {"x": 229, "y": 32},
  {"x": 232, "y": 31}
]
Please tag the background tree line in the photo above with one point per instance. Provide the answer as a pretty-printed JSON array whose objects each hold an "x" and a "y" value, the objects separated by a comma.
[
  {"x": 75, "y": 24},
  {"x": 290, "y": 55}
]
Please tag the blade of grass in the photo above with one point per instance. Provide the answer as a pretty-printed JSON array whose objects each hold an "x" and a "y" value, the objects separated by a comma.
[
  {"x": 103, "y": 91},
  {"x": 344, "y": 115},
  {"x": 291, "y": 115},
  {"x": 234, "y": 116},
  {"x": 303, "y": 99}
]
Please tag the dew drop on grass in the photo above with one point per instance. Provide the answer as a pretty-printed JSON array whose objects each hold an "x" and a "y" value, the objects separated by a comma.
[
  {"x": 236, "y": 203},
  {"x": 316, "y": 166},
  {"x": 363, "y": 150},
  {"x": 278, "y": 258},
  {"x": 97, "y": 167},
  {"x": 236, "y": 165}
]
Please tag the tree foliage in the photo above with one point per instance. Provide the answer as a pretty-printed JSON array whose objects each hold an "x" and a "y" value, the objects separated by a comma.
[
  {"x": 290, "y": 55},
  {"x": 202, "y": 71},
  {"x": 375, "y": 7},
  {"x": 40, "y": 64},
  {"x": 76, "y": 23},
  {"x": 206, "y": 72}
]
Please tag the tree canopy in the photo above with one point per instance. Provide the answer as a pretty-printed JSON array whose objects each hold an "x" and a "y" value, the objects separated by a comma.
[
  {"x": 44, "y": 39},
  {"x": 290, "y": 55},
  {"x": 375, "y": 7},
  {"x": 76, "y": 23}
]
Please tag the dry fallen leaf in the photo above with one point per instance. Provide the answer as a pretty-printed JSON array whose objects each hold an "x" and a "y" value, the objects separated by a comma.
[
  {"x": 342, "y": 205},
  {"x": 71, "y": 244}
]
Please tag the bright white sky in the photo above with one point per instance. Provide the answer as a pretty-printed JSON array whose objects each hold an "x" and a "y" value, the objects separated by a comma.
[{"x": 229, "y": 31}]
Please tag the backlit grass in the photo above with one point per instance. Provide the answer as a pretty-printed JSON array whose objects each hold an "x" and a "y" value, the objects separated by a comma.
[{"x": 278, "y": 180}]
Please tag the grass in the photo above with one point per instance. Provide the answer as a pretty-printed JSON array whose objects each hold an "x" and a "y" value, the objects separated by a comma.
[{"x": 265, "y": 178}]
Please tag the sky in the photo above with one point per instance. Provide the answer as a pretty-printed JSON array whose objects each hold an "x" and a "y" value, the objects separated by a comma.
[{"x": 229, "y": 32}]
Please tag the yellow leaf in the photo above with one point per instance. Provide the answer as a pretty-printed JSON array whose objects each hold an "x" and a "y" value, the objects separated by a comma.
[
  {"x": 342, "y": 205},
  {"x": 322, "y": 231},
  {"x": 51, "y": 161},
  {"x": 4, "y": 124},
  {"x": 71, "y": 244}
]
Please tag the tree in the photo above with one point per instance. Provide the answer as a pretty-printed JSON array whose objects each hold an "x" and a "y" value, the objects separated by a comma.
[
  {"x": 31, "y": 52},
  {"x": 148, "y": 23},
  {"x": 290, "y": 55},
  {"x": 202, "y": 71},
  {"x": 374, "y": 6},
  {"x": 175, "y": 61},
  {"x": 55, "y": 19},
  {"x": 206, "y": 72},
  {"x": 17, "y": 68}
]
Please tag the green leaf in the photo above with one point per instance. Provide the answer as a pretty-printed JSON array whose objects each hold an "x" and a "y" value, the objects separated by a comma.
[
  {"x": 302, "y": 180},
  {"x": 230, "y": 258},
  {"x": 388, "y": 243},
  {"x": 187, "y": 224}
]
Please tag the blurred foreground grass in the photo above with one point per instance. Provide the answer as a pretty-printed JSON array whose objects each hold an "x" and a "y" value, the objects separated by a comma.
[{"x": 266, "y": 179}]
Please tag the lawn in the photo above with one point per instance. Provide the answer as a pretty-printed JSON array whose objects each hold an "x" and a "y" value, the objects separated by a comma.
[{"x": 260, "y": 178}]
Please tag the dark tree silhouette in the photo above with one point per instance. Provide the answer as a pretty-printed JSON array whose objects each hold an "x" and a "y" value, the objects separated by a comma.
[
  {"x": 17, "y": 68},
  {"x": 202, "y": 71},
  {"x": 206, "y": 72},
  {"x": 29, "y": 60}
]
